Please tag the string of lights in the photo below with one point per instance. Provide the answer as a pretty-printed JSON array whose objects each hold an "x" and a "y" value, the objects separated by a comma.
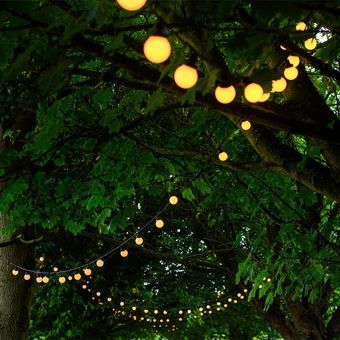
[{"x": 43, "y": 276}]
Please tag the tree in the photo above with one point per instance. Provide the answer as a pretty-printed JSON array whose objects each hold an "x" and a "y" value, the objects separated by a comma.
[{"x": 93, "y": 135}]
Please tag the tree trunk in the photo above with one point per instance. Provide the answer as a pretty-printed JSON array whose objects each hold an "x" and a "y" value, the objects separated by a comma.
[{"x": 15, "y": 292}]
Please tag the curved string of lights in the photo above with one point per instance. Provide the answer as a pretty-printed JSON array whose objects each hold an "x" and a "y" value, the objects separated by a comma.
[
  {"x": 157, "y": 50},
  {"x": 43, "y": 276}
]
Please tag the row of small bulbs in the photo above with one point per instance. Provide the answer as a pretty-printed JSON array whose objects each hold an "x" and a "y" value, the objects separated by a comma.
[{"x": 173, "y": 200}]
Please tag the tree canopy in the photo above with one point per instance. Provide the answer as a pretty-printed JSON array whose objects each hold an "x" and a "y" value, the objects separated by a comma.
[{"x": 95, "y": 139}]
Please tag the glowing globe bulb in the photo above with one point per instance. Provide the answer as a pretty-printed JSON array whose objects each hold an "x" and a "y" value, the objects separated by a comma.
[
  {"x": 155, "y": 311},
  {"x": 294, "y": 60},
  {"x": 157, "y": 49},
  {"x": 225, "y": 95},
  {"x": 225, "y": 305},
  {"x": 180, "y": 319},
  {"x": 84, "y": 286},
  {"x": 134, "y": 308},
  {"x": 223, "y": 156},
  {"x": 27, "y": 277},
  {"x": 301, "y": 26},
  {"x": 41, "y": 259},
  {"x": 291, "y": 73},
  {"x": 100, "y": 263},
  {"x": 173, "y": 200},
  {"x": 185, "y": 76},
  {"x": 260, "y": 286},
  {"x": 235, "y": 301},
  {"x": 131, "y": 5},
  {"x": 55, "y": 269},
  {"x": 210, "y": 312},
  {"x": 46, "y": 279},
  {"x": 121, "y": 303},
  {"x": 77, "y": 277},
  {"x": 229, "y": 300},
  {"x": 109, "y": 299},
  {"x": 98, "y": 293},
  {"x": 310, "y": 43},
  {"x": 139, "y": 241},
  {"x": 239, "y": 294},
  {"x": 279, "y": 85},
  {"x": 159, "y": 224},
  {"x": 146, "y": 311},
  {"x": 246, "y": 125},
  {"x": 124, "y": 253},
  {"x": 253, "y": 92},
  {"x": 218, "y": 308},
  {"x": 269, "y": 279},
  {"x": 242, "y": 297},
  {"x": 165, "y": 312},
  {"x": 245, "y": 290},
  {"x": 208, "y": 306},
  {"x": 62, "y": 279},
  {"x": 70, "y": 278},
  {"x": 87, "y": 271},
  {"x": 15, "y": 272},
  {"x": 180, "y": 312},
  {"x": 264, "y": 97}
]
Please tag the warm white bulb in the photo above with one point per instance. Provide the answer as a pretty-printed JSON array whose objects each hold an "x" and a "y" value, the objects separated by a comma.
[
  {"x": 87, "y": 271},
  {"x": 223, "y": 156},
  {"x": 27, "y": 277},
  {"x": 157, "y": 49},
  {"x": 124, "y": 253},
  {"x": 77, "y": 277},
  {"x": 185, "y": 76},
  {"x": 173, "y": 200},
  {"x": 246, "y": 125},
  {"x": 15, "y": 272},
  {"x": 279, "y": 85},
  {"x": 291, "y": 73},
  {"x": 301, "y": 26},
  {"x": 294, "y": 60},
  {"x": 225, "y": 95},
  {"x": 39, "y": 279},
  {"x": 310, "y": 43},
  {"x": 62, "y": 280},
  {"x": 159, "y": 223},
  {"x": 131, "y": 5},
  {"x": 253, "y": 92},
  {"x": 45, "y": 279},
  {"x": 139, "y": 241},
  {"x": 100, "y": 263}
]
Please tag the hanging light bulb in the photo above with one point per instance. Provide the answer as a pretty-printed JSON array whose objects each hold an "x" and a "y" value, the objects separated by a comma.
[
  {"x": 173, "y": 200},
  {"x": 155, "y": 311},
  {"x": 229, "y": 300},
  {"x": 264, "y": 97},
  {"x": 62, "y": 279},
  {"x": 122, "y": 303},
  {"x": 157, "y": 49},
  {"x": 15, "y": 272},
  {"x": 223, "y": 156},
  {"x": 253, "y": 92},
  {"x": 294, "y": 60},
  {"x": 98, "y": 293},
  {"x": 109, "y": 299},
  {"x": 208, "y": 306},
  {"x": 235, "y": 301},
  {"x": 301, "y": 26},
  {"x": 100, "y": 263},
  {"x": 131, "y": 5},
  {"x": 55, "y": 269},
  {"x": 124, "y": 253},
  {"x": 180, "y": 312},
  {"x": 245, "y": 125},
  {"x": 291, "y": 73},
  {"x": 279, "y": 85},
  {"x": 225, "y": 95},
  {"x": 45, "y": 279},
  {"x": 189, "y": 311},
  {"x": 310, "y": 43},
  {"x": 225, "y": 305},
  {"x": 139, "y": 241},
  {"x": 87, "y": 271},
  {"x": 134, "y": 308},
  {"x": 39, "y": 279},
  {"x": 77, "y": 277},
  {"x": 70, "y": 278},
  {"x": 245, "y": 290},
  {"x": 159, "y": 224},
  {"x": 27, "y": 277},
  {"x": 185, "y": 76},
  {"x": 146, "y": 311}
]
